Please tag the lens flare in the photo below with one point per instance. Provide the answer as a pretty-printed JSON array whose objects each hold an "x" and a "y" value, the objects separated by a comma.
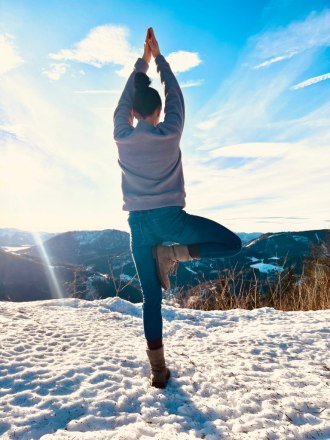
[{"x": 54, "y": 285}]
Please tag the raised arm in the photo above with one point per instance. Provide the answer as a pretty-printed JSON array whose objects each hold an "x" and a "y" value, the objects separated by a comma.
[
  {"x": 123, "y": 114},
  {"x": 174, "y": 103}
]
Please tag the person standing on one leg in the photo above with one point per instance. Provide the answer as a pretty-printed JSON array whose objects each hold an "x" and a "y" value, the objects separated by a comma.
[{"x": 154, "y": 194}]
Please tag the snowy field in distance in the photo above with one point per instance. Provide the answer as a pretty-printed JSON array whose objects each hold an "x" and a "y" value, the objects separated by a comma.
[{"x": 73, "y": 369}]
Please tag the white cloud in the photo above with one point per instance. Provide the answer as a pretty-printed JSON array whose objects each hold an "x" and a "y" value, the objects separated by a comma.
[
  {"x": 251, "y": 150},
  {"x": 276, "y": 60},
  {"x": 311, "y": 81},
  {"x": 280, "y": 179},
  {"x": 109, "y": 44},
  {"x": 249, "y": 102},
  {"x": 55, "y": 71},
  {"x": 10, "y": 59},
  {"x": 297, "y": 37},
  {"x": 98, "y": 92},
  {"x": 181, "y": 61},
  {"x": 263, "y": 156},
  {"x": 243, "y": 106},
  {"x": 58, "y": 155},
  {"x": 191, "y": 83},
  {"x": 103, "y": 45}
]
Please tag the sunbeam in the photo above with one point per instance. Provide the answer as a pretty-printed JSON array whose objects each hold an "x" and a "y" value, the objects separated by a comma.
[
  {"x": 24, "y": 211},
  {"x": 56, "y": 290}
]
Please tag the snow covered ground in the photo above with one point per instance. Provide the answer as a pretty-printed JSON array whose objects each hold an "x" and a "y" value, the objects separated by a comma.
[
  {"x": 265, "y": 268},
  {"x": 73, "y": 369}
]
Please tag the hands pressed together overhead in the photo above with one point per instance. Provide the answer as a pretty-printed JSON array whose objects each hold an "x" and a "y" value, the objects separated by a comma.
[{"x": 150, "y": 46}]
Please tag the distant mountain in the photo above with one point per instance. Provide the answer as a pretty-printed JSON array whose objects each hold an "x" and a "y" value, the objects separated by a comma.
[
  {"x": 101, "y": 251},
  {"x": 107, "y": 252},
  {"x": 263, "y": 257},
  {"x": 287, "y": 248},
  {"x": 248, "y": 236},
  {"x": 16, "y": 237},
  {"x": 27, "y": 278},
  {"x": 24, "y": 279}
]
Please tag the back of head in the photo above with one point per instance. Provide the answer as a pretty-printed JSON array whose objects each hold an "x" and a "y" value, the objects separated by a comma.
[{"x": 146, "y": 99}]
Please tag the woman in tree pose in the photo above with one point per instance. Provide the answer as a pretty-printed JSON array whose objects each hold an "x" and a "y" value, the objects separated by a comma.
[{"x": 154, "y": 194}]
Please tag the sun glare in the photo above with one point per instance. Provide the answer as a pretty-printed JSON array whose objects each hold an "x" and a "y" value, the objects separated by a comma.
[
  {"x": 19, "y": 176},
  {"x": 20, "y": 172},
  {"x": 50, "y": 273}
]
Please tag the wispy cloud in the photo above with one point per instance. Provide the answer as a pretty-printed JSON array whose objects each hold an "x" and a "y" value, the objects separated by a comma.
[
  {"x": 55, "y": 71},
  {"x": 279, "y": 180},
  {"x": 254, "y": 156},
  {"x": 61, "y": 135},
  {"x": 51, "y": 146},
  {"x": 261, "y": 156},
  {"x": 251, "y": 150},
  {"x": 276, "y": 60},
  {"x": 244, "y": 105},
  {"x": 297, "y": 37},
  {"x": 103, "y": 45},
  {"x": 191, "y": 83},
  {"x": 109, "y": 44},
  {"x": 99, "y": 92},
  {"x": 10, "y": 58},
  {"x": 311, "y": 81}
]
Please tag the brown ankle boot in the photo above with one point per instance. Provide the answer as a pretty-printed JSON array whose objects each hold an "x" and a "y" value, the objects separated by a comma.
[
  {"x": 159, "y": 373},
  {"x": 167, "y": 258}
]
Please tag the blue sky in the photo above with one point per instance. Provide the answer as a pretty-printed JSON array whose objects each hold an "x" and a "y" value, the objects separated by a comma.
[{"x": 256, "y": 82}]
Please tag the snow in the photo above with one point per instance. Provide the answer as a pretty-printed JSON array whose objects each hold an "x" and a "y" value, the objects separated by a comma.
[
  {"x": 87, "y": 237},
  {"x": 300, "y": 238},
  {"x": 97, "y": 277},
  {"x": 265, "y": 268},
  {"x": 190, "y": 270},
  {"x": 253, "y": 259},
  {"x": 92, "y": 237},
  {"x": 125, "y": 277},
  {"x": 74, "y": 369},
  {"x": 252, "y": 242},
  {"x": 14, "y": 249}
]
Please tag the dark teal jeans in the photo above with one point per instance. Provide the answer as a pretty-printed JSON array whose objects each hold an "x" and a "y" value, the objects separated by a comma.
[{"x": 171, "y": 224}]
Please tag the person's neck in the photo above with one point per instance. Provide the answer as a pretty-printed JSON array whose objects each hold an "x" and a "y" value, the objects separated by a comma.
[{"x": 150, "y": 120}]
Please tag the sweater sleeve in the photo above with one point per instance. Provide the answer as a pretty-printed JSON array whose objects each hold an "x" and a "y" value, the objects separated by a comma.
[
  {"x": 123, "y": 114},
  {"x": 174, "y": 103}
]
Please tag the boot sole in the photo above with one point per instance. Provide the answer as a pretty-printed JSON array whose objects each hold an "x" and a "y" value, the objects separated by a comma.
[
  {"x": 162, "y": 385},
  {"x": 155, "y": 255}
]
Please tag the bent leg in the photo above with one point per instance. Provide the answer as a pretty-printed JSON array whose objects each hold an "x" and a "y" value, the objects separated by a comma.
[
  {"x": 151, "y": 290},
  {"x": 206, "y": 238}
]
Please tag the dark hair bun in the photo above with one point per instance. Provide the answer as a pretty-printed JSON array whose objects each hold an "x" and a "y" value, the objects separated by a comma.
[{"x": 141, "y": 81}]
